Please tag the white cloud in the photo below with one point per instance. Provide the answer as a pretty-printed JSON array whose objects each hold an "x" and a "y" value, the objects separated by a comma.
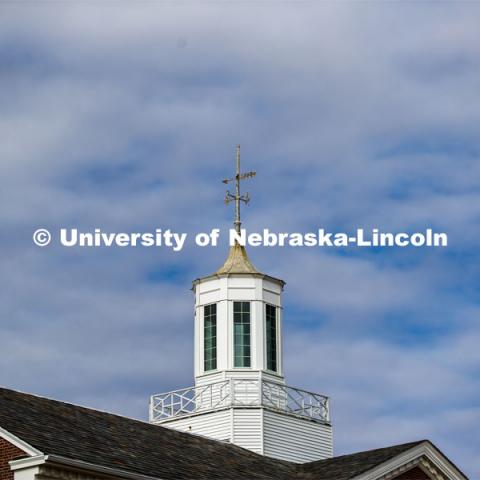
[{"x": 354, "y": 115}]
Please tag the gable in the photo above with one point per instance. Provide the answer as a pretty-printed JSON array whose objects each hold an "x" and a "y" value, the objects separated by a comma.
[
  {"x": 415, "y": 473},
  {"x": 422, "y": 462}
]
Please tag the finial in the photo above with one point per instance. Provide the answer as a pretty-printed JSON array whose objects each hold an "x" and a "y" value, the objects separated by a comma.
[{"x": 238, "y": 197}]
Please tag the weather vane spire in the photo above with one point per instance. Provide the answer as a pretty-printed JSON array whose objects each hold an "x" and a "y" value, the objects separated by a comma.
[{"x": 229, "y": 197}]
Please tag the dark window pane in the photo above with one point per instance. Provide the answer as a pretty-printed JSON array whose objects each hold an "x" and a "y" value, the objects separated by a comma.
[
  {"x": 241, "y": 329},
  {"x": 271, "y": 336},
  {"x": 210, "y": 337}
]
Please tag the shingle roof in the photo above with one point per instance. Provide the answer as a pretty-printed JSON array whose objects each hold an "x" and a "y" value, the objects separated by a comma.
[
  {"x": 348, "y": 466},
  {"x": 57, "y": 428},
  {"x": 107, "y": 440}
]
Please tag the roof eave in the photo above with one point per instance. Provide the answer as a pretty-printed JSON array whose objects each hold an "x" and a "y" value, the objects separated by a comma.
[
  {"x": 77, "y": 464},
  {"x": 214, "y": 276},
  {"x": 424, "y": 449},
  {"x": 19, "y": 443}
]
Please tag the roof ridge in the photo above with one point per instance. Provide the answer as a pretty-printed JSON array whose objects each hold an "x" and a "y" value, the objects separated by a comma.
[{"x": 76, "y": 405}]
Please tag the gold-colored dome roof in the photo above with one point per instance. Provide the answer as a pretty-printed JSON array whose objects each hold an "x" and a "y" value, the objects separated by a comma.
[{"x": 237, "y": 262}]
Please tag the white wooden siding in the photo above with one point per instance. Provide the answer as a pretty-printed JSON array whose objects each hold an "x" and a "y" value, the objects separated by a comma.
[
  {"x": 215, "y": 425},
  {"x": 295, "y": 439},
  {"x": 263, "y": 431},
  {"x": 209, "y": 378},
  {"x": 247, "y": 428}
]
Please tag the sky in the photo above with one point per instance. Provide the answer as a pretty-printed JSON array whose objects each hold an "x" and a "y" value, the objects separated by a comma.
[{"x": 125, "y": 115}]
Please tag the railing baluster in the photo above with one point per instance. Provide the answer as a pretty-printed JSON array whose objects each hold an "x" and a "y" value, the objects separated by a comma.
[{"x": 250, "y": 393}]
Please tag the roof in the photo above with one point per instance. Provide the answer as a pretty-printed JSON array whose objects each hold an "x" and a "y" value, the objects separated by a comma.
[
  {"x": 77, "y": 433},
  {"x": 346, "y": 467},
  {"x": 237, "y": 262}
]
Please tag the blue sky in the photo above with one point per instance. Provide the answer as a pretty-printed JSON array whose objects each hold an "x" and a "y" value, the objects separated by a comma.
[{"x": 125, "y": 117}]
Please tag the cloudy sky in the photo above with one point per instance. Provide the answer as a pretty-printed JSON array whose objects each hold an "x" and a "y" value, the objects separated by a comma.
[{"x": 125, "y": 115}]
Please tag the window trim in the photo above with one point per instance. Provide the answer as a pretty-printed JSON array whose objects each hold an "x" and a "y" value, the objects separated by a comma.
[
  {"x": 250, "y": 357},
  {"x": 210, "y": 370},
  {"x": 276, "y": 309}
]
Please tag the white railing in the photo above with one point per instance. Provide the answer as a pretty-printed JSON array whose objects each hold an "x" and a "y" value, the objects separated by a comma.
[{"x": 241, "y": 393}]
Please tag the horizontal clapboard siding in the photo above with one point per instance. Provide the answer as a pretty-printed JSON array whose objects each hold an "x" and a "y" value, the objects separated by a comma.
[
  {"x": 247, "y": 428},
  {"x": 263, "y": 431},
  {"x": 295, "y": 439},
  {"x": 209, "y": 378},
  {"x": 215, "y": 425}
]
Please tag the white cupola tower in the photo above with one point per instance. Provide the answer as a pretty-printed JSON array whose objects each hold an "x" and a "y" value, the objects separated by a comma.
[
  {"x": 240, "y": 395},
  {"x": 238, "y": 313}
]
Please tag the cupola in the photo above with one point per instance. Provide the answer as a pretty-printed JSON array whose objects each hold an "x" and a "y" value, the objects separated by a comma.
[{"x": 240, "y": 395}]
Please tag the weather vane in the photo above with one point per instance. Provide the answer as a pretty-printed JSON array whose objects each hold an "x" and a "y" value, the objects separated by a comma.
[{"x": 229, "y": 197}]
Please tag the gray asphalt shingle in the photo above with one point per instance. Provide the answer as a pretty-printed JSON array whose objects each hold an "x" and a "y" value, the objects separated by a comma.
[{"x": 79, "y": 433}]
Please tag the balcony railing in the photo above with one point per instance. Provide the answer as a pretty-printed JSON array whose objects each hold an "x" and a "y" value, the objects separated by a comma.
[{"x": 241, "y": 393}]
